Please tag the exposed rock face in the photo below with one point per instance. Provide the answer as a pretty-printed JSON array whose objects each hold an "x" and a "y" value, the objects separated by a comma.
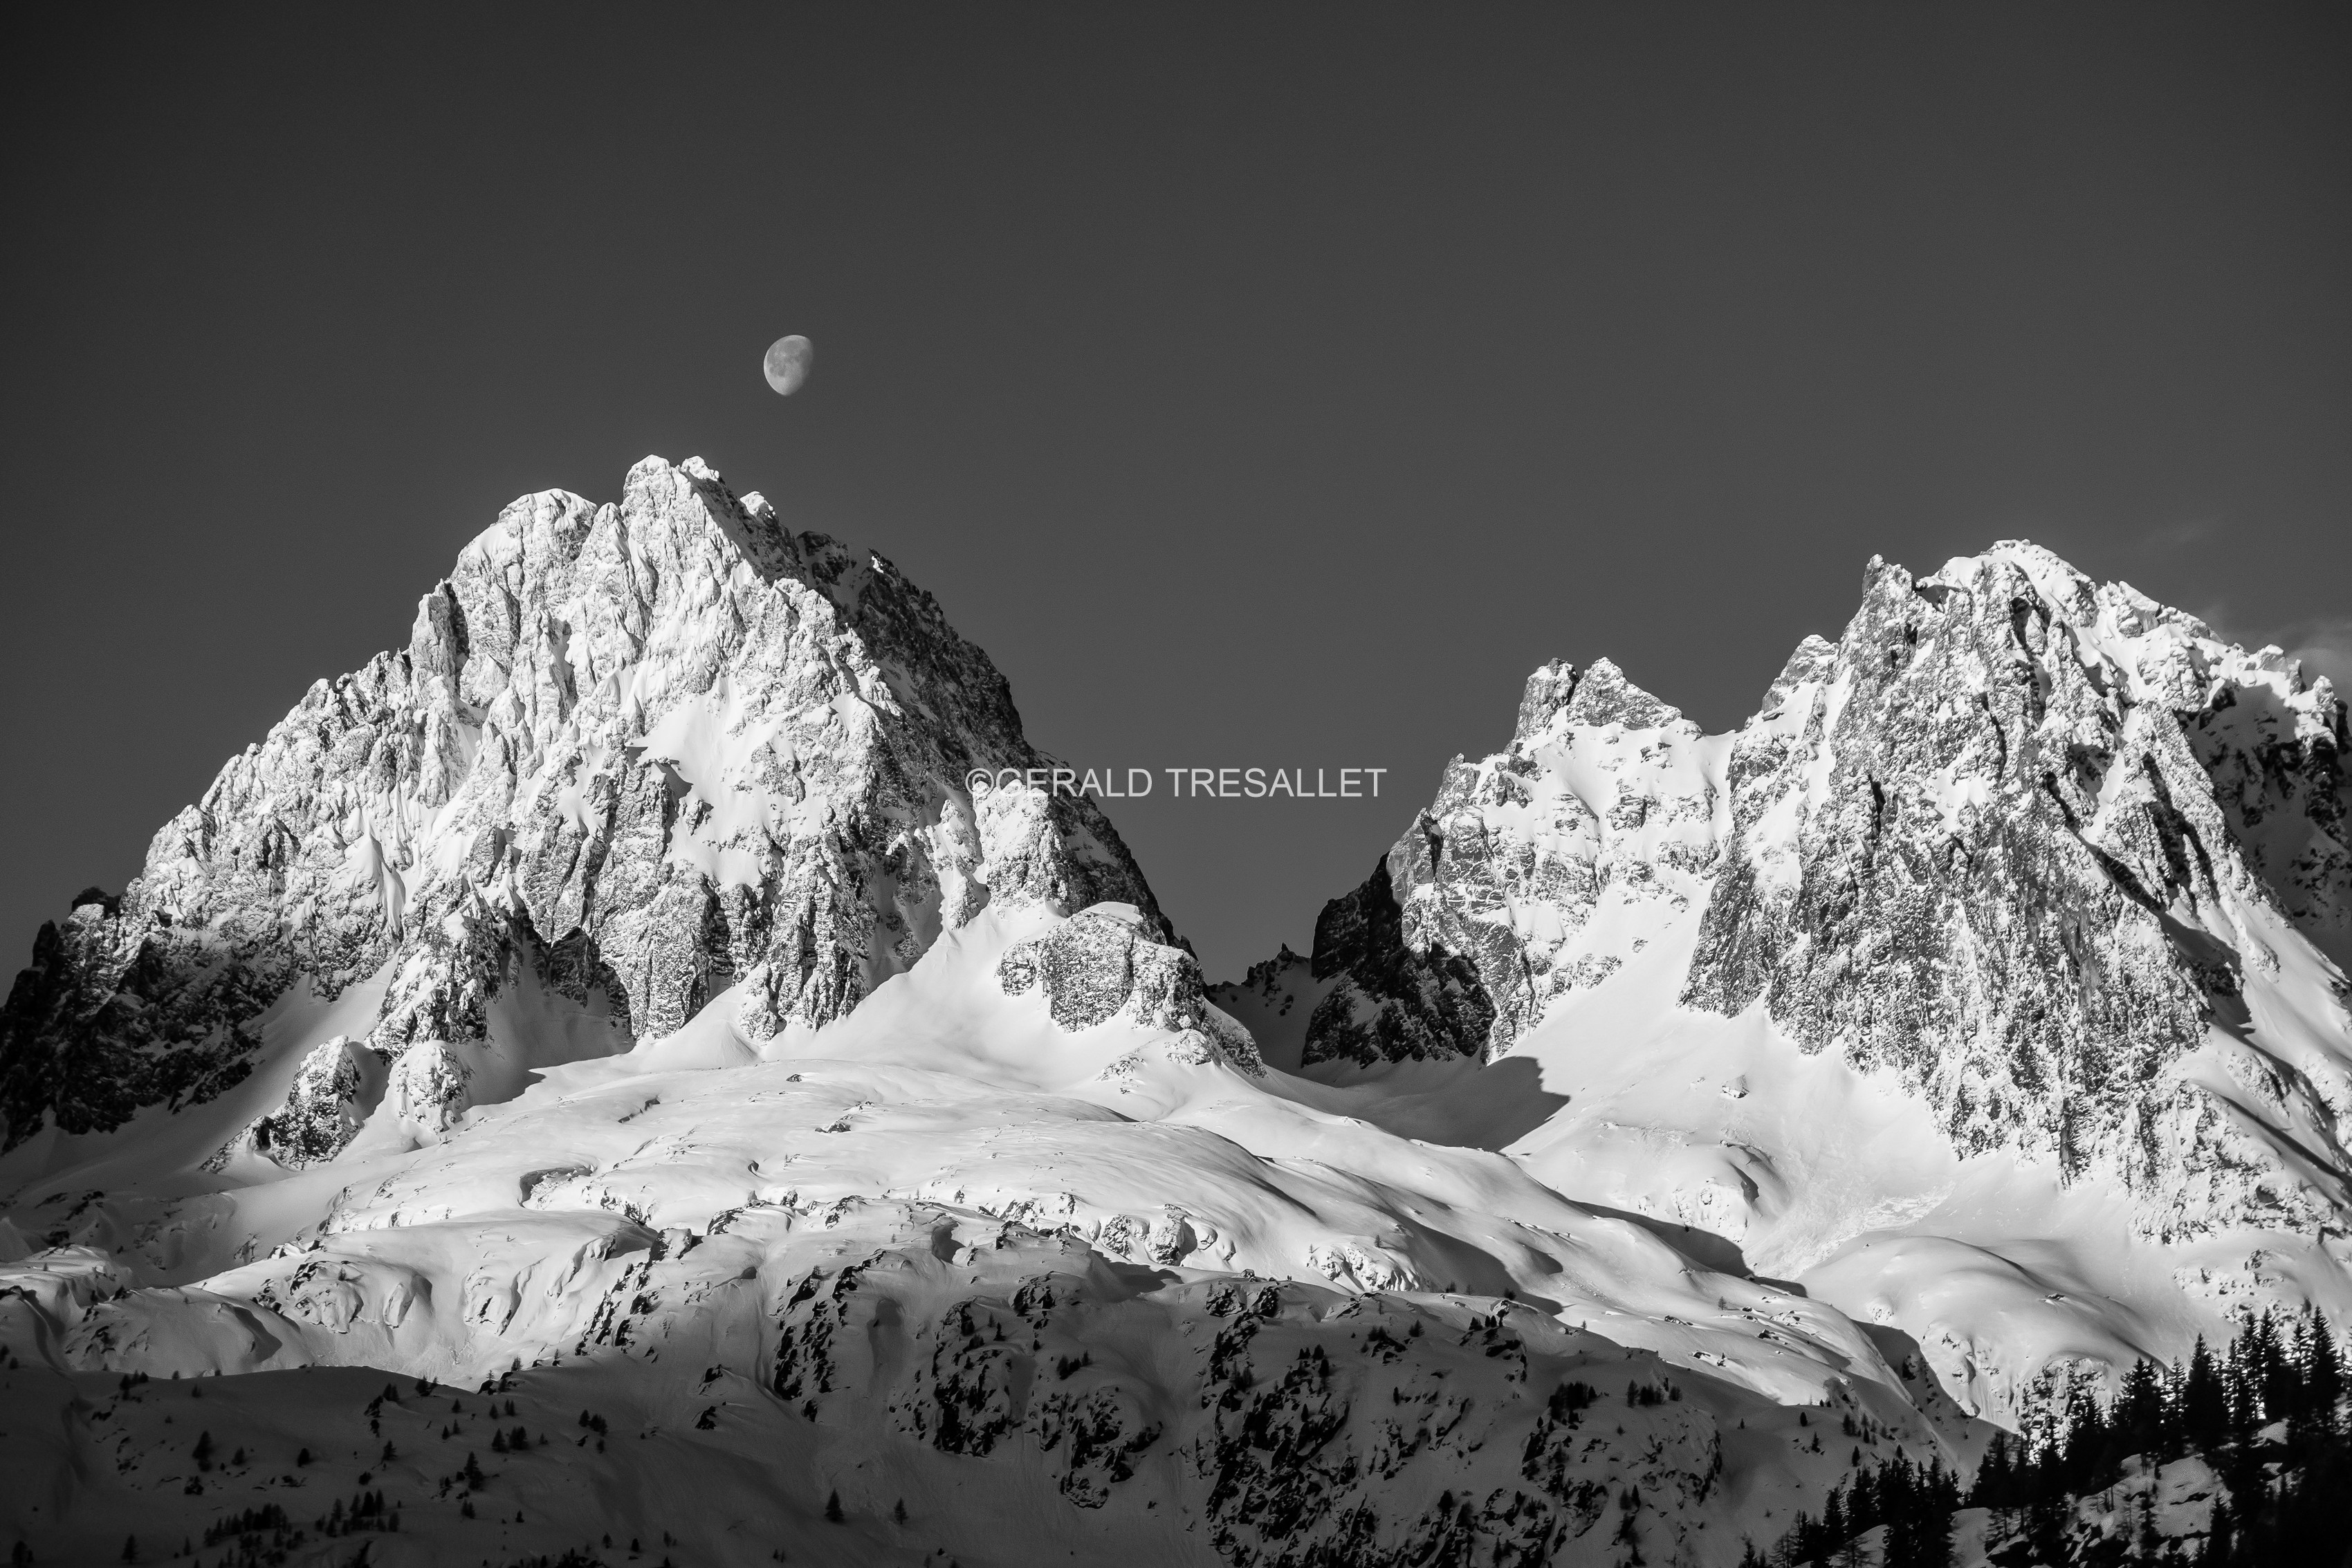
[
  {"x": 117, "y": 1013},
  {"x": 2032, "y": 844},
  {"x": 338, "y": 1084},
  {"x": 1101, "y": 965},
  {"x": 1483, "y": 912},
  {"x": 2022, "y": 838},
  {"x": 1393, "y": 1000},
  {"x": 631, "y": 756},
  {"x": 1601, "y": 792}
]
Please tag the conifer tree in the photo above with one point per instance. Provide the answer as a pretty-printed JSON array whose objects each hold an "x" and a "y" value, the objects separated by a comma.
[
  {"x": 2204, "y": 1403},
  {"x": 2322, "y": 1381},
  {"x": 2138, "y": 1419}
]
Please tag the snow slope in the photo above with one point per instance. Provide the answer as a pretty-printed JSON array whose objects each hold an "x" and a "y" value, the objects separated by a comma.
[{"x": 1118, "y": 1283}]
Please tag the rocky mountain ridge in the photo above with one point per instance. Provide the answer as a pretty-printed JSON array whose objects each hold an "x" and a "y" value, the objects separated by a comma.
[
  {"x": 2022, "y": 841},
  {"x": 2046, "y": 835},
  {"x": 634, "y": 756}
]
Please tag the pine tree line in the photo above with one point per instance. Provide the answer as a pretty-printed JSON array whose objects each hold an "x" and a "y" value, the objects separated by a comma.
[
  {"x": 1914, "y": 1502},
  {"x": 2274, "y": 1397},
  {"x": 2266, "y": 1416}
]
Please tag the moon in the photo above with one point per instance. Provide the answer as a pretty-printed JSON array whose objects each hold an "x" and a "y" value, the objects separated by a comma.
[{"x": 786, "y": 364}]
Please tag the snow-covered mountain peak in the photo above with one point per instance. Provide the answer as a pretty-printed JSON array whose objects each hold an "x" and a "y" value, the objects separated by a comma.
[
  {"x": 634, "y": 756},
  {"x": 2156, "y": 653},
  {"x": 1485, "y": 911},
  {"x": 2033, "y": 845}
]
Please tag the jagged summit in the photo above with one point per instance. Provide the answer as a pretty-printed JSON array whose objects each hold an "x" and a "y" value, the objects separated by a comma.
[
  {"x": 633, "y": 756},
  {"x": 2026, "y": 840},
  {"x": 2023, "y": 839},
  {"x": 1558, "y": 695},
  {"x": 1478, "y": 918}
]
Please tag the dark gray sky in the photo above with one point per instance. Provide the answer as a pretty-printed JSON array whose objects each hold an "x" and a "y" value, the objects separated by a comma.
[{"x": 1266, "y": 385}]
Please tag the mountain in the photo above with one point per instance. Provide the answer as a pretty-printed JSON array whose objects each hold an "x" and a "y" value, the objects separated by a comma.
[
  {"x": 1483, "y": 911},
  {"x": 598, "y": 1083},
  {"x": 1990, "y": 980},
  {"x": 632, "y": 756},
  {"x": 2073, "y": 870},
  {"x": 2069, "y": 868}
]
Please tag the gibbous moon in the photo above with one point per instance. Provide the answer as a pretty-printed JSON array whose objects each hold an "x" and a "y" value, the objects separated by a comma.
[{"x": 786, "y": 365}]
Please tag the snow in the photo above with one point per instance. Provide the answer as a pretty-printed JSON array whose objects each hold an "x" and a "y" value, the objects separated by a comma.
[
  {"x": 942, "y": 1097},
  {"x": 1061, "y": 1288}
]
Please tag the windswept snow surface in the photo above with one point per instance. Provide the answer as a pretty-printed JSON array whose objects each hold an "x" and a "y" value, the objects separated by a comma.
[{"x": 1061, "y": 1292}]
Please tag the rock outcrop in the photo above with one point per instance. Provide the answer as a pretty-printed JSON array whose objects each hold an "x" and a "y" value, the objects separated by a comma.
[{"x": 1102, "y": 965}]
